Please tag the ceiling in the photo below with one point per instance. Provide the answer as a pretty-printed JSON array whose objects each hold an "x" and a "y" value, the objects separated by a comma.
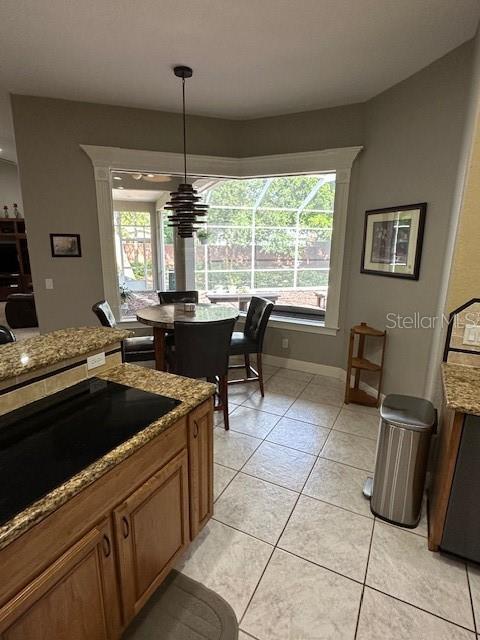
[{"x": 250, "y": 58}]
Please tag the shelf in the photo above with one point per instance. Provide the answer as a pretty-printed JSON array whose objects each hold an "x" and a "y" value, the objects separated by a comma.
[
  {"x": 362, "y": 397},
  {"x": 364, "y": 330},
  {"x": 364, "y": 364}
]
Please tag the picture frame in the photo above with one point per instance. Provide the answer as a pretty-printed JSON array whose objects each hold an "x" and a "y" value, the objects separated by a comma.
[
  {"x": 393, "y": 240},
  {"x": 65, "y": 245}
]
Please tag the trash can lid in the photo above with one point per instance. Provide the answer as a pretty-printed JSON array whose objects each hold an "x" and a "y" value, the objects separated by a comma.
[{"x": 409, "y": 412}]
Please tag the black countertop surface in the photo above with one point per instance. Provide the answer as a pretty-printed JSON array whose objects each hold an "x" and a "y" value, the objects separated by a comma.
[{"x": 47, "y": 442}]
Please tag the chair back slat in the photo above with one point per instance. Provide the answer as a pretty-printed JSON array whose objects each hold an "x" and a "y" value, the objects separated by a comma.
[
  {"x": 172, "y": 297},
  {"x": 104, "y": 313},
  {"x": 256, "y": 321},
  {"x": 6, "y": 335},
  {"x": 202, "y": 348}
]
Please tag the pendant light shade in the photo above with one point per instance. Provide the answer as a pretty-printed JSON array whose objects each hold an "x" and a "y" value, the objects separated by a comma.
[{"x": 185, "y": 205}]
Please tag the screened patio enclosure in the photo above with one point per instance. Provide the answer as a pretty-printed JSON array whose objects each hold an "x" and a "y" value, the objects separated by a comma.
[
  {"x": 268, "y": 235},
  {"x": 265, "y": 236}
]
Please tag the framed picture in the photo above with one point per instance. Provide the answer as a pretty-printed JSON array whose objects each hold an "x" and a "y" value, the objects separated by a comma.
[
  {"x": 65, "y": 245},
  {"x": 392, "y": 241}
]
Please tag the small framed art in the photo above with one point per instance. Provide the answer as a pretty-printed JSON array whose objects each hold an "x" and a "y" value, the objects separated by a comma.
[
  {"x": 392, "y": 241},
  {"x": 65, "y": 245}
]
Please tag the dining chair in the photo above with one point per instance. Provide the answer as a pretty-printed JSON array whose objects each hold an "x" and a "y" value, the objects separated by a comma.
[
  {"x": 6, "y": 335},
  {"x": 251, "y": 341},
  {"x": 135, "y": 349},
  {"x": 201, "y": 351},
  {"x": 171, "y": 297}
]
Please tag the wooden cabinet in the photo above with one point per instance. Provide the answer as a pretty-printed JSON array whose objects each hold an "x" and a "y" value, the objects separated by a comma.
[
  {"x": 152, "y": 529},
  {"x": 56, "y": 586},
  {"x": 200, "y": 452},
  {"x": 75, "y": 598}
]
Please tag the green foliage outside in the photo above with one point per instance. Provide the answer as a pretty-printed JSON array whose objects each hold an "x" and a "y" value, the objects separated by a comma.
[{"x": 277, "y": 201}]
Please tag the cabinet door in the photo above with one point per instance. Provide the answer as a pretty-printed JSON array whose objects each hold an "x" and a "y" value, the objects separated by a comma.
[
  {"x": 200, "y": 460},
  {"x": 152, "y": 529},
  {"x": 75, "y": 598}
]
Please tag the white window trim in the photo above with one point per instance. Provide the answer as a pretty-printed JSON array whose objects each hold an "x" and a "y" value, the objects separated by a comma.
[{"x": 107, "y": 159}]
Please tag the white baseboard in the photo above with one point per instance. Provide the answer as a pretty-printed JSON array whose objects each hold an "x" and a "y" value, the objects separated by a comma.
[
  {"x": 302, "y": 365},
  {"x": 314, "y": 367}
]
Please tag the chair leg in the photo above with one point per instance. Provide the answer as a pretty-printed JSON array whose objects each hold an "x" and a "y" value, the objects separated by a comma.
[
  {"x": 260, "y": 373},
  {"x": 247, "y": 365},
  {"x": 223, "y": 392}
]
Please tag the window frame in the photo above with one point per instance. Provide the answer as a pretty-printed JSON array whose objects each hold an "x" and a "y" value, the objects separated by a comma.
[{"x": 340, "y": 160}]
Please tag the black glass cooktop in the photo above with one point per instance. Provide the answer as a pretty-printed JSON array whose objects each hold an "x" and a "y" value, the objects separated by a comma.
[{"x": 47, "y": 442}]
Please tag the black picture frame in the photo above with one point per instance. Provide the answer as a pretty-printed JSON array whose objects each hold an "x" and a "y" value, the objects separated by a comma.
[
  {"x": 412, "y": 273},
  {"x": 74, "y": 251}
]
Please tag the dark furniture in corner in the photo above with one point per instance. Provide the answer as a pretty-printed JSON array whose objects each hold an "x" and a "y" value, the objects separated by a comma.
[
  {"x": 251, "y": 340},
  {"x": 20, "y": 311},
  {"x": 201, "y": 351},
  {"x": 6, "y": 335},
  {"x": 135, "y": 349},
  {"x": 15, "y": 274},
  {"x": 173, "y": 297}
]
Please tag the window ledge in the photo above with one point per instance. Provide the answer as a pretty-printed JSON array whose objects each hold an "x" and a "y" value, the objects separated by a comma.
[
  {"x": 291, "y": 324},
  {"x": 298, "y": 324}
]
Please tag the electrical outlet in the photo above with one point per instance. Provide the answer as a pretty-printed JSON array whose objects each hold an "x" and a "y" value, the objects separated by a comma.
[
  {"x": 96, "y": 361},
  {"x": 48, "y": 283},
  {"x": 471, "y": 335},
  {"x": 284, "y": 343}
]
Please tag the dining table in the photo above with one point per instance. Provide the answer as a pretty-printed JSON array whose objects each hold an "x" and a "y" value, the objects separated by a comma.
[{"x": 162, "y": 318}]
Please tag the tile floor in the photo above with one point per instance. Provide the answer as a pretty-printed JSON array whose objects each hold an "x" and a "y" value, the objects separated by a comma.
[{"x": 293, "y": 546}]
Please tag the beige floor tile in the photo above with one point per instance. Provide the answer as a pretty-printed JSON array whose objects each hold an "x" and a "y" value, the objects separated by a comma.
[
  {"x": 384, "y": 618},
  {"x": 474, "y": 577},
  {"x": 422, "y": 528},
  {"x": 252, "y": 422},
  {"x": 221, "y": 477},
  {"x": 323, "y": 395},
  {"x": 360, "y": 408},
  {"x": 280, "y": 465},
  {"x": 244, "y": 636},
  {"x": 255, "y": 507},
  {"x": 294, "y": 374},
  {"x": 232, "y": 449},
  {"x": 339, "y": 485},
  {"x": 286, "y": 386},
  {"x": 352, "y": 450},
  {"x": 330, "y": 536},
  {"x": 298, "y": 600},
  {"x": 328, "y": 381},
  {"x": 357, "y": 423},
  {"x": 276, "y": 403},
  {"x": 401, "y": 565},
  {"x": 303, "y": 436},
  {"x": 323, "y": 415},
  {"x": 228, "y": 562},
  {"x": 218, "y": 415},
  {"x": 238, "y": 393}
]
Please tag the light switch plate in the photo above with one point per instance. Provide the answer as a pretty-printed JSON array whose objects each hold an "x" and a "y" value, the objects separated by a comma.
[
  {"x": 96, "y": 361},
  {"x": 48, "y": 283}
]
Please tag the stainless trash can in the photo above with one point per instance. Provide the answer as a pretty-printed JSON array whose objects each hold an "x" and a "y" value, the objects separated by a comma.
[{"x": 406, "y": 427}]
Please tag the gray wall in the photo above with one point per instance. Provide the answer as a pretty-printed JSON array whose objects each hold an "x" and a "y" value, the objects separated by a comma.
[
  {"x": 59, "y": 190},
  {"x": 9, "y": 187},
  {"x": 411, "y": 134}
]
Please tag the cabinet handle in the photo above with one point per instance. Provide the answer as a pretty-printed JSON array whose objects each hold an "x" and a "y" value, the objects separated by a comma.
[
  {"x": 107, "y": 547},
  {"x": 195, "y": 429},
  {"x": 126, "y": 527}
]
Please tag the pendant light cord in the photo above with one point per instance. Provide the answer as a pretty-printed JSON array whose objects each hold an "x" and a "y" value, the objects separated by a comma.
[{"x": 184, "y": 132}]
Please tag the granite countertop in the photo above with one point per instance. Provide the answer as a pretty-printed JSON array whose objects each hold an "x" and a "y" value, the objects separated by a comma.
[
  {"x": 18, "y": 358},
  {"x": 191, "y": 393},
  {"x": 461, "y": 385}
]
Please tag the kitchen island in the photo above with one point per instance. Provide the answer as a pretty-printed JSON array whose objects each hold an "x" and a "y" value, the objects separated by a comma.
[{"x": 81, "y": 561}]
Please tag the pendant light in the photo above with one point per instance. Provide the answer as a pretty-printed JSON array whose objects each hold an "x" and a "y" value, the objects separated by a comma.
[{"x": 185, "y": 204}]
